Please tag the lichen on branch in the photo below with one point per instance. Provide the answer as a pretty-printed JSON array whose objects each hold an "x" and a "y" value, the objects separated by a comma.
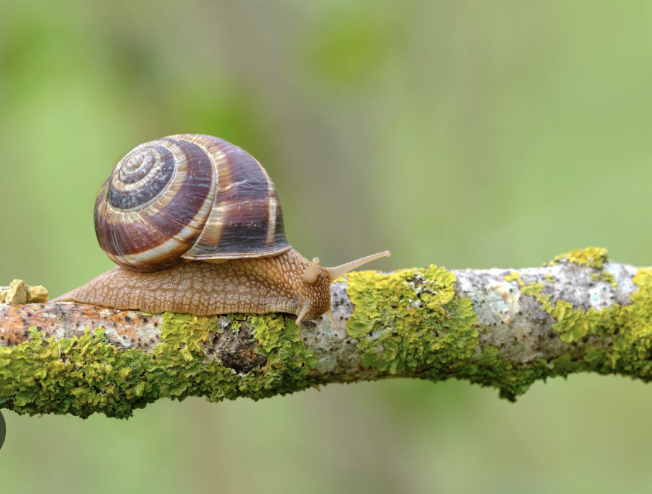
[{"x": 506, "y": 329}]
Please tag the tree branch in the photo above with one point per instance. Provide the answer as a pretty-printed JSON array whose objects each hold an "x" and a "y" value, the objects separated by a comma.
[{"x": 501, "y": 328}]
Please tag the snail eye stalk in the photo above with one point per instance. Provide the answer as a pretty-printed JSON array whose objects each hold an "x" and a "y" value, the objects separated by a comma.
[{"x": 311, "y": 273}]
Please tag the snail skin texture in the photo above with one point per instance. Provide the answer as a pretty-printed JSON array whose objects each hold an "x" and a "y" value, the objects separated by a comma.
[{"x": 195, "y": 226}]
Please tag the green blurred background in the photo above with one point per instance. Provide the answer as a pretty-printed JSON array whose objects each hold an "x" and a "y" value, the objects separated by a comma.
[{"x": 467, "y": 134}]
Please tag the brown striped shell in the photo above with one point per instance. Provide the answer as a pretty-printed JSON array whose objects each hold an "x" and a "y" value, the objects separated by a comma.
[{"x": 188, "y": 197}]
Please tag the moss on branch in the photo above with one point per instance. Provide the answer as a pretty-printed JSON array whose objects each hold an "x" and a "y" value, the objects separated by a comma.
[
  {"x": 84, "y": 375},
  {"x": 504, "y": 329}
]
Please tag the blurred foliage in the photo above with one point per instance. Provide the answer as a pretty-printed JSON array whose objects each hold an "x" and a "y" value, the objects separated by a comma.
[{"x": 468, "y": 134}]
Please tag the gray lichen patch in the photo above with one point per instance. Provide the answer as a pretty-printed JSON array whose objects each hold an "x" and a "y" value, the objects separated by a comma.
[
  {"x": 494, "y": 300},
  {"x": 335, "y": 349},
  {"x": 623, "y": 281},
  {"x": 515, "y": 306}
]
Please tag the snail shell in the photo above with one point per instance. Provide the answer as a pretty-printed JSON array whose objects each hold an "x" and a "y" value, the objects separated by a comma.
[
  {"x": 171, "y": 204},
  {"x": 188, "y": 197}
]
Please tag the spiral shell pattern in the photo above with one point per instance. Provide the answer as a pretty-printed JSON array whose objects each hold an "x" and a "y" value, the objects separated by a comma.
[{"x": 188, "y": 196}]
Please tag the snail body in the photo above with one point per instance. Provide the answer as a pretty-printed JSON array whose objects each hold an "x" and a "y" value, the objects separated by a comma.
[{"x": 196, "y": 226}]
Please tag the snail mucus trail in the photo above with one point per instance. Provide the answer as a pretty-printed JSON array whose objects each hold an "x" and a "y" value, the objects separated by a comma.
[{"x": 196, "y": 226}]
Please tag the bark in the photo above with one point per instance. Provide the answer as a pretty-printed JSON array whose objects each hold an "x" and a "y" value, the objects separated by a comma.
[{"x": 500, "y": 328}]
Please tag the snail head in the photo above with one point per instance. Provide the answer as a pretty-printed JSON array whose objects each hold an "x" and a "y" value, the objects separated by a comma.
[{"x": 314, "y": 274}]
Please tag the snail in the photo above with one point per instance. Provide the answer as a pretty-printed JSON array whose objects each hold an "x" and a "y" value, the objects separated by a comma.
[{"x": 196, "y": 226}]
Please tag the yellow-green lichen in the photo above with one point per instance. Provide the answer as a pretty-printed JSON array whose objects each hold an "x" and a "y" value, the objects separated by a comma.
[
  {"x": 84, "y": 375},
  {"x": 236, "y": 321},
  {"x": 534, "y": 290},
  {"x": 623, "y": 332},
  {"x": 396, "y": 333},
  {"x": 609, "y": 278},
  {"x": 410, "y": 319},
  {"x": 572, "y": 324},
  {"x": 604, "y": 276},
  {"x": 288, "y": 360},
  {"x": 514, "y": 276},
  {"x": 594, "y": 257}
]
